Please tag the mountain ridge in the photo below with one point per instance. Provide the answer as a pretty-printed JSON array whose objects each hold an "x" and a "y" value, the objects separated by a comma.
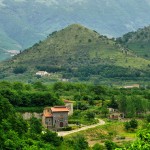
[
  {"x": 27, "y": 22},
  {"x": 138, "y": 41},
  {"x": 77, "y": 53}
]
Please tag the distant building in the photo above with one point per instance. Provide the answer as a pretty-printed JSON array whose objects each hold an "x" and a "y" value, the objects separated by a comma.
[
  {"x": 115, "y": 114},
  {"x": 111, "y": 110},
  {"x": 13, "y": 52},
  {"x": 55, "y": 117},
  {"x": 132, "y": 86},
  {"x": 64, "y": 80},
  {"x": 42, "y": 73},
  {"x": 69, "y": 105}
]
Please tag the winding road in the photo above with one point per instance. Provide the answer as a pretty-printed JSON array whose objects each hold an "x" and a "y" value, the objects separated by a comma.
[{"x": 64, "y": 133}]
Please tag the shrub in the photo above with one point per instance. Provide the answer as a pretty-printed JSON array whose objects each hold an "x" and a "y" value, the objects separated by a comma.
[
  {"x": 90, "y": 115},
  {"x": 148, "y": 118},
  {"x": 110, "y": 145},
  {"x": 132, "y": 124},
  {"x": 127, "y": 125},
  {"x": 19, "y": 70},
  {"x": 89, "y": 40},
  {"x": 97, "y": 146},
  {"x": 74, "y": 121},
  {"x": 67, "y": 128},
  {"x": 51, "y": 137}
]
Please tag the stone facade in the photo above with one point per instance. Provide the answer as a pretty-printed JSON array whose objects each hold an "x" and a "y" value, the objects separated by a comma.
[
  {"x": 115, "y": 114},
  {"x": 60, "y": 119},
  {"x": 55, "y": 117},
  {"x": 69, "y": 105}
]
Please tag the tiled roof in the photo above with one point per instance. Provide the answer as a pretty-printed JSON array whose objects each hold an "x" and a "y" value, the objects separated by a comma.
[
  {"x": 59, "y": 109},
  {"x": 47, "y": 115}
]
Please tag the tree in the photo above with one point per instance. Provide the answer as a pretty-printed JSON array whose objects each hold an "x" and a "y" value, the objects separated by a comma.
[
  {"x": 110, "y": 145},
  {"x": 11, "y": 95},
  {"x": 113, "y": 103},
  {"x": 132, "y": 124},
  {"x": 19, "y": 70},
  {"x": 51, "y": 137},
  {"x": 127, "y": 125},
  {"x": 12, "y": 141},
  {"x": 35, "y": 125},
  {"x": 6, "y": 109},
  {"x": 97, "y": 146},
  {"x": 39, "y": 86},
  {"x": 18, "y": 86},
  {"x": 148, "y": 118},
  {"x": 90, "y": 115},
  {"x": 123, "y": 104},
  {"x": 104, "y": 111},
  {"x": 79, "y": 142},
  {"x": 58, "y": 86},
  {"x": 130, "y": 109}
]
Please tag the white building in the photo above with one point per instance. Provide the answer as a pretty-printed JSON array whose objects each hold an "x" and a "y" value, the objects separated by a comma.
[{"x": 42, "y": 73}]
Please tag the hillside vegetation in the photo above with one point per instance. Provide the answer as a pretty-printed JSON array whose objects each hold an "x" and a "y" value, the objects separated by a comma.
[
  {"x": 25, "y": 22},
  {"x": 77, "y": 53},
  {"x": 138, "y": 41},
  {"x": 92, "y": 102}
]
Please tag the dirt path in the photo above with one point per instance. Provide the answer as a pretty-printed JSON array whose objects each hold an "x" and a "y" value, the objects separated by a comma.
[{"x": 64, "y": 133}]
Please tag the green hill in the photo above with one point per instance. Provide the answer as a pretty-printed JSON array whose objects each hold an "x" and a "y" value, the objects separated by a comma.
[
  {"x": 6, "y": 43},
  {"x": 28, "y": 21},
  {"x": 78, "y": 54},
  {"x": 138, "y": 41}
]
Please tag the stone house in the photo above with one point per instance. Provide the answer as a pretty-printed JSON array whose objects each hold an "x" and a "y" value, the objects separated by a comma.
[
  {"x": 115, "y": 114},
  {"x": 55, "y": 117}
]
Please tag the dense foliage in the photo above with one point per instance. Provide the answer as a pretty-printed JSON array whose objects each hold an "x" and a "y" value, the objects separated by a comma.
[
  {"x": 20, "y": 94},
  {"x": 16, "y": 133},
  {"x": 132, "y": 124},
  {"x": 132, "y": 102}
]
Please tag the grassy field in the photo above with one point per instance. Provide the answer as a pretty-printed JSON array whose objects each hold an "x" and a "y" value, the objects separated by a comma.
[{"x": 112, "y": 130}]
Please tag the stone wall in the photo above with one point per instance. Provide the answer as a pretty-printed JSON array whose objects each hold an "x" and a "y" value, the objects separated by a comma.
[{"x": 28, "y": 115}]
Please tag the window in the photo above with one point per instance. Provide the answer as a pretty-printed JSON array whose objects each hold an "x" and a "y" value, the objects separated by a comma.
[{"x": 61, "y": 117}]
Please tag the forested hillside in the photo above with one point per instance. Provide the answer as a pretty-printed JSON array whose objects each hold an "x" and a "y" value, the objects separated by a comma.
[
  {"x": 77, "y": 53},
  {"x": 138, "y": 41}
]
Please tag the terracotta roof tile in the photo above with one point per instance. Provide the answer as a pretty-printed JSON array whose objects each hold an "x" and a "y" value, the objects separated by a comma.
[
  {"x": 47, "y": 115},
  {"x": 59, "y": 109}
]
